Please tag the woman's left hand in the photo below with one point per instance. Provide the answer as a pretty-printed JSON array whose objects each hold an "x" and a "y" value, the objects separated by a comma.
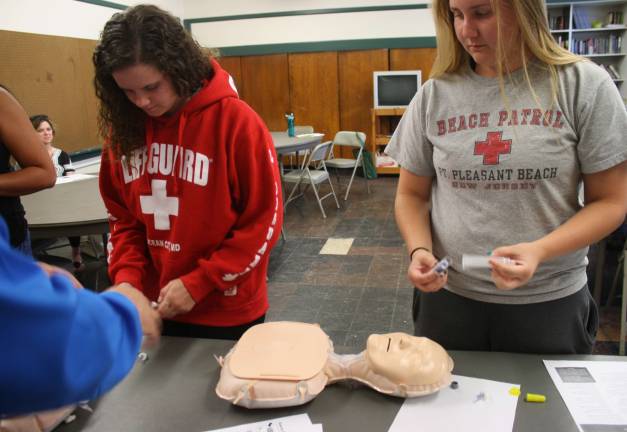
[
  {"x": 525, "y": 259},
  {"x": 174, "y": 299}
]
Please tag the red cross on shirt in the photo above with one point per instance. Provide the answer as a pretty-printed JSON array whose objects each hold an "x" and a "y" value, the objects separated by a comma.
[{"x": 492, "y": 147}]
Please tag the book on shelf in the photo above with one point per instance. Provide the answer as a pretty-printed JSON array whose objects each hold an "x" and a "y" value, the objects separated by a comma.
[
  {"x": 598, "y": 45},
  {"x": 558, "y": 18},
  {"x": 581, "y": 19},
  {"x": 557, "y": 22},
  {"x": 561, "y": 41},
  {"x": 576, "y": 19},
  {"x": 615, "y": 44},
  {"x": 614, "y": 72},
  {"x": 611, "y": 71},
  {"x": 615, "y": 18}
]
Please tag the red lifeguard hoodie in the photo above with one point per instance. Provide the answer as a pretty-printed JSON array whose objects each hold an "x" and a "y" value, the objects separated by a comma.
[{"x": 201, "y": 201}]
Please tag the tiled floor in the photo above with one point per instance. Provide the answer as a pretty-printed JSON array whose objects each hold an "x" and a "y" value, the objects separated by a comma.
[
  {"x": 353, "y": 295},
  {"x": 350, "y": 296}
]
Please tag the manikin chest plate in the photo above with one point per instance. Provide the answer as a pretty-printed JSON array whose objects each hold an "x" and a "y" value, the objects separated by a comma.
[{"x": 282, "y": 351}]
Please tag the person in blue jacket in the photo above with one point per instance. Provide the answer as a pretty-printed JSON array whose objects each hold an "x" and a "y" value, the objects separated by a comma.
[{"x": 60, "y": 344}]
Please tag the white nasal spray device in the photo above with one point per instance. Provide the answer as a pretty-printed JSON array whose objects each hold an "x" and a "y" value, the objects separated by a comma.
[{"x": 470, "y": 261}]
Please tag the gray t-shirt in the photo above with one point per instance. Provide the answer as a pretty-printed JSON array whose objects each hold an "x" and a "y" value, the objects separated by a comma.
[{"x": 507, "y": 169}]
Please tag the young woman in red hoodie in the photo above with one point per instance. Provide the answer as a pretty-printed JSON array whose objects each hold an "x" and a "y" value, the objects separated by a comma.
[{"x": 189, "y": 177}]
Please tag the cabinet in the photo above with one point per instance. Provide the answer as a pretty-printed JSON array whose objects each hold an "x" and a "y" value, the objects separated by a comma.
[
  {"x": 384, "y": 121},
  {"x": 593, "y": 29}
]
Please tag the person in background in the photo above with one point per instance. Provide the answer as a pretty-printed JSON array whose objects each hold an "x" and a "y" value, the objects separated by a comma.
[
  {"x": 63, "y": 166},
  {"x": 18, "y": 140},
  {"x": 493, "y": 149},
  {"x": 62, "y": 344},
  {"x": 60, "y": 159},
  {"x": 189, "y": 177}
]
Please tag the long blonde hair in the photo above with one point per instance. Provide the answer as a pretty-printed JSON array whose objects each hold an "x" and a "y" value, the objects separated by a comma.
[{"x": 536, "y": 41}]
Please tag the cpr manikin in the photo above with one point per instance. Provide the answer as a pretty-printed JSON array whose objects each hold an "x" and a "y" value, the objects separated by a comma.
[
  {"x": 280, "y": 364},
  {"x": 44, "y": 421}
]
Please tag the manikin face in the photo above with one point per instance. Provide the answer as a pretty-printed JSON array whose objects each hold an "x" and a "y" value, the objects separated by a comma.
[
  {"x": 405, "y": 359},
  {"x": 45, "y": 132},
  {"x": 149, "y": 89},
  {"x": 475, "y": 28}
]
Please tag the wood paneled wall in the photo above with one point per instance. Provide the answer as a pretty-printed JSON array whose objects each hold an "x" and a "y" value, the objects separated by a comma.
[
  {"x": 314, "y": 90},
  {"x": 330, "y": 91},
  {"x": 265, "y": 81},
  {"x": 356, "y": 90},
  {"x": 53, "y": 75},
  {"x": 413, "y": 58},
  {"x": 234, "y": 66}
]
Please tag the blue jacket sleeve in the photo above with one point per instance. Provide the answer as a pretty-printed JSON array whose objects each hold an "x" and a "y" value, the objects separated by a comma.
[{"x": 58, "y": 344}]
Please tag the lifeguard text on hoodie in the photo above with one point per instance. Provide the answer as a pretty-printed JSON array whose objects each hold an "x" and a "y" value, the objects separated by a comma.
[{"x": 201, "y": 201}]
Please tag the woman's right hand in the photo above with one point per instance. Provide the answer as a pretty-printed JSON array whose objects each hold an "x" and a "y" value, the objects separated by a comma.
[{"x": 421, "y": 274}]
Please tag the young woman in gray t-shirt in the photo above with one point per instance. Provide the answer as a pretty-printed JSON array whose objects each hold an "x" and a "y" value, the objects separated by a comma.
[{"x": 493, "y": 150}]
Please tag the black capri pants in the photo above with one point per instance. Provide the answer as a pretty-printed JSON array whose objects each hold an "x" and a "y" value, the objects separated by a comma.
[{"x": 563, "y": 326}]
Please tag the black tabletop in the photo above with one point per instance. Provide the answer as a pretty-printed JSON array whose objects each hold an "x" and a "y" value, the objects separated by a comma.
[{"x": 174, "y": 390}]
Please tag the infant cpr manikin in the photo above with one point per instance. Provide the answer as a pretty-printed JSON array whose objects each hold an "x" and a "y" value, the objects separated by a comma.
[{"x": 278, "y": 364}]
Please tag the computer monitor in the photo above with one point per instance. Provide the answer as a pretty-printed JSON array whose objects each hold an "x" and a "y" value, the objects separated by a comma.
[{"x": 395, "y": 89}]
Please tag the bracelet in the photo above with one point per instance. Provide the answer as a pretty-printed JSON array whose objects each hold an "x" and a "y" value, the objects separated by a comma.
[{"x": 411, "y": 254}]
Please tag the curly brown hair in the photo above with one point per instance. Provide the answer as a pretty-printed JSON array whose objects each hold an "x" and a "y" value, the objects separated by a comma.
[{"x": 149, "y": 35}]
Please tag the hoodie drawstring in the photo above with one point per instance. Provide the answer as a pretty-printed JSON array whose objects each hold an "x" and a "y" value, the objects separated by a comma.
[{"x": 179, "y": 154}]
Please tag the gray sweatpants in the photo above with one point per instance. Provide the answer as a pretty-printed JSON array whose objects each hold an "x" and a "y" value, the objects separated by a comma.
[{"x": 564, "y": 326}]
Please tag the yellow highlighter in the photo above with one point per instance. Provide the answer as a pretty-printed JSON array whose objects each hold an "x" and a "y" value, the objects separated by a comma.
[{"x": 533, "y": 397}]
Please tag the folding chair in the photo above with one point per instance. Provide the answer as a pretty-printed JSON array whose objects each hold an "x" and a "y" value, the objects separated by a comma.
[
  {"x": 299, "y": 130},
  {"x": 353, "y": 140},
  {"x": 313, "y": 172}
]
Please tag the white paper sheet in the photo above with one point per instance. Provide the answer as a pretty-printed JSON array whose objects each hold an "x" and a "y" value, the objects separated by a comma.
[
  {"x": 73, "y": 177},
  {"x": 337, "y": 246},
  {"x": 475, "y": 405},
  {"x": 295, "y": 423},
  {"x": 594, "y": 392}
]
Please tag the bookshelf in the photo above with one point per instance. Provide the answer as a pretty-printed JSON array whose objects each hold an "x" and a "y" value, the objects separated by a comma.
[
  {"x": 596, "y": 30},
  {"x": 384, "y": 121}
]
